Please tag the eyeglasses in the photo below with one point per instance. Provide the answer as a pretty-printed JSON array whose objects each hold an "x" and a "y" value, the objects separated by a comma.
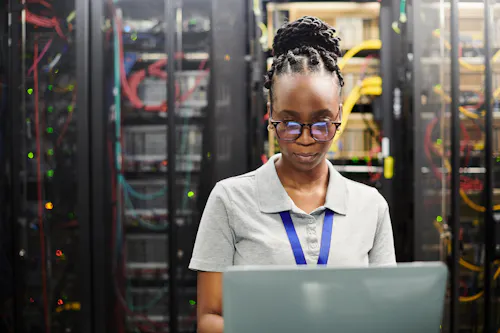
[{"x": 321, "y": 131}]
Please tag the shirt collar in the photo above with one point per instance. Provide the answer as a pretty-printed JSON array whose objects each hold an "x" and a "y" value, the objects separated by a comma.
[{"x": 274, "y": 199}]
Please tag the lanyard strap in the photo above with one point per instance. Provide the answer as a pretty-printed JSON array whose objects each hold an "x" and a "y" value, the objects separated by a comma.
[{"x": 326, "y": 238}]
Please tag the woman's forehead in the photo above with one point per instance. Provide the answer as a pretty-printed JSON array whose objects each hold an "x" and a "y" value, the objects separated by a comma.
[{"x": 305, "y": 92}]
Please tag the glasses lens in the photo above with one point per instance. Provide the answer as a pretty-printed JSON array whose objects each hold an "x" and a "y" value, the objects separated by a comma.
[
  {"x": 323, "y": 131},
  {"x": 289, "y": 130}
]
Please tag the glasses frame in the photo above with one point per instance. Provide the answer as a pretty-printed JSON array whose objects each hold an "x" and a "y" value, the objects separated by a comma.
[{"x": 275, "y": 124}]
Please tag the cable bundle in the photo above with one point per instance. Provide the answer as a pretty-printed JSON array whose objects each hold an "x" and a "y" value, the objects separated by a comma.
[{"x": 45, "y": 22}]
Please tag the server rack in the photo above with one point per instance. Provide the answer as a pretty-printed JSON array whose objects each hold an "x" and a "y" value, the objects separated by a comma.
[
  {"x": 455, "y": 98},
  {"x": 95, "y": 144},
  {"x": 170, "y": 115},
  {"x": 46, "y": 152}
]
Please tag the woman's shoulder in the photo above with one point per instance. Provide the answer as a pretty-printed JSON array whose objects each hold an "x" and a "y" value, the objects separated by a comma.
[
  {"x": 363, "y": 192},
  {"x": 237, "y": 184}
]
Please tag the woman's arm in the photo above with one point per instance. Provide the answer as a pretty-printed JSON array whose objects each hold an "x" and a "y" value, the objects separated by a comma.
[{"x": 210, "y": 303}]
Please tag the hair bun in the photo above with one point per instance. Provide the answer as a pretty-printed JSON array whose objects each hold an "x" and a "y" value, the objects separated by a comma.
[{"x": 306, "y": 31}]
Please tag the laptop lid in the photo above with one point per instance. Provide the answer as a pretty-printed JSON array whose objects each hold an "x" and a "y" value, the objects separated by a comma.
[{"x": 407, "y": 298}]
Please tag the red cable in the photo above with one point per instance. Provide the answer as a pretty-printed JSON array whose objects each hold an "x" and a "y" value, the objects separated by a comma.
[
  {"x": 41, "y": 2},
  {"x": 45, "y": 22},
  {"x": 465, "y": 182},
  {"x": 67, "y": 122},
  {"x": 131, "y": 85},
  {"x": 39, "y": 190}
]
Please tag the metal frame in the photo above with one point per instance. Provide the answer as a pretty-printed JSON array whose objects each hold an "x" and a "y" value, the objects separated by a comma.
[
  {"x": 455, "y": 166},
  {"x": 387, "y": 57},
  {"x": 99, "y": 172},
  {"x": 418, "y": 144},
  {"x": 489, "y": 227},
  {"x": 170, "y": 50},
  {"x": 84, "y": 212},
  {"x": 256, "y": 91},
  {"x": 15, "y": 10},
  {"x": 396, "y": 122}
]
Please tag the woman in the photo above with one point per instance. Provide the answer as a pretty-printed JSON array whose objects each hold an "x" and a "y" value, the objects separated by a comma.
[{"x": 295, "y": 209}]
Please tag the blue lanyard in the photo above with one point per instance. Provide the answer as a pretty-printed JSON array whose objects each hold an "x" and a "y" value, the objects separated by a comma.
[{"x": 326, "y": 238}]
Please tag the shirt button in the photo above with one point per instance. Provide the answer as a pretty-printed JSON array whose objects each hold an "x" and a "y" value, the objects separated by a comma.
[{"x": 314, "y": 245}]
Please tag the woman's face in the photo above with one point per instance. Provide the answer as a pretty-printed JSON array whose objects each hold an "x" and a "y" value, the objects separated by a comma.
[{"x": 305, "y": 98}]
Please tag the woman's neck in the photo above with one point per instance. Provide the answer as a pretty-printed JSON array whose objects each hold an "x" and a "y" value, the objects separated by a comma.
[{"x": 294, "y": 179}]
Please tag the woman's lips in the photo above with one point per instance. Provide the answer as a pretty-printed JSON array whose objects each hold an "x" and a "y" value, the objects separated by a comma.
[{"x": 305, "y": 157}]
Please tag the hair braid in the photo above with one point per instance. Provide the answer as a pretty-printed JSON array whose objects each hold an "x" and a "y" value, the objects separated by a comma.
[{"x": 307, "y": 44}]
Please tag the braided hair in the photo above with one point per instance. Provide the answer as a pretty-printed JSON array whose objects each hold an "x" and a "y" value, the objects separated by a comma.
[{"x": 305, "y": 45}]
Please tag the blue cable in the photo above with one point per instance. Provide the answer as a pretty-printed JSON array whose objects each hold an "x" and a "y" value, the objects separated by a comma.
[
  {"x": 141, "y": 196},
  {"x": 143, "y": 223},
  {"x": 116, "y": 93}
]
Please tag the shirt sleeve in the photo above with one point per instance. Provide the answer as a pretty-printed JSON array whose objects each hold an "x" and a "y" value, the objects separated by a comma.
[
  {"x": 214, "y": 246},
  {"x": 383, "y": 252}
]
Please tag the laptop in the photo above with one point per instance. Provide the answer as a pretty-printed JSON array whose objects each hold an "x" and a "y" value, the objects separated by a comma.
[{"x": 312, "y": 299}]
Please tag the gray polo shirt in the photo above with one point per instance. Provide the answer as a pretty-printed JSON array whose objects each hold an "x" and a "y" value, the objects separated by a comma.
[{"x": 241, "y": 224}]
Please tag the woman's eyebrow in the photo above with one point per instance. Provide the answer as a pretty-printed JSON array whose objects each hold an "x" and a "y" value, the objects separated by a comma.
[
  {"x": 315, "y": 113},
  {"x": 289, "y": 112},
  {"x": 323, "y": 112}
]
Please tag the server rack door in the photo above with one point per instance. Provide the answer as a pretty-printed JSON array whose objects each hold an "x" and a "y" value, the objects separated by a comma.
[
  {"x": 49, "y": 172},
  {"x": 433, "y": 112},
  {"x": 156, "y": 74}
]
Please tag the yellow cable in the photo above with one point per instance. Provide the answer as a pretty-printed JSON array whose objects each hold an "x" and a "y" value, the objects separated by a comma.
[
  {"x": 373, "y": 44},
  {"x": 475, "y": 68},
  {"x": 349, "y": 103},
  {"x": 481, "y": 293},
  {"x": 463, "y": 63},
  {"x": 462, "y": 261},
  {"x": 465, "y": 197},
  {"x": 263, "y": 37},
  {"x": 372, "y": 81},
  {"x": 438, "y": 90},
  {"x": 369, "y": 86}
]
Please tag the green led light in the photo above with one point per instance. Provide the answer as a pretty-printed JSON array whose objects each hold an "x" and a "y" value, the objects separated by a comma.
[
  {"x": 355, "y": 159},
  {"x": 439, "y": 141},
  {"x": 30, "y": 91},
  {"x": 71, "y": 87},
  {"x": 70, "y": 108},
  {"x": 209, "y": 154},
  {"x": 50, "y": 108},
  {"x": 192, "y": 302},
  {"x": 31, "y": 155},
  {"x": 50, "y": 173},
  {"x": 190, "y": 194},
  {"x": 439, "y": 219},
  {"x": 56, "y": 71},
  {"x": 134, "y": 36},
  {"x": 367, "y": 159},
  {"x": 498, "y": 159},
  {"x": 50, "y": 130},
  {"x": 50, "y": 87},
  {"x": 50, "y": 152}
]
